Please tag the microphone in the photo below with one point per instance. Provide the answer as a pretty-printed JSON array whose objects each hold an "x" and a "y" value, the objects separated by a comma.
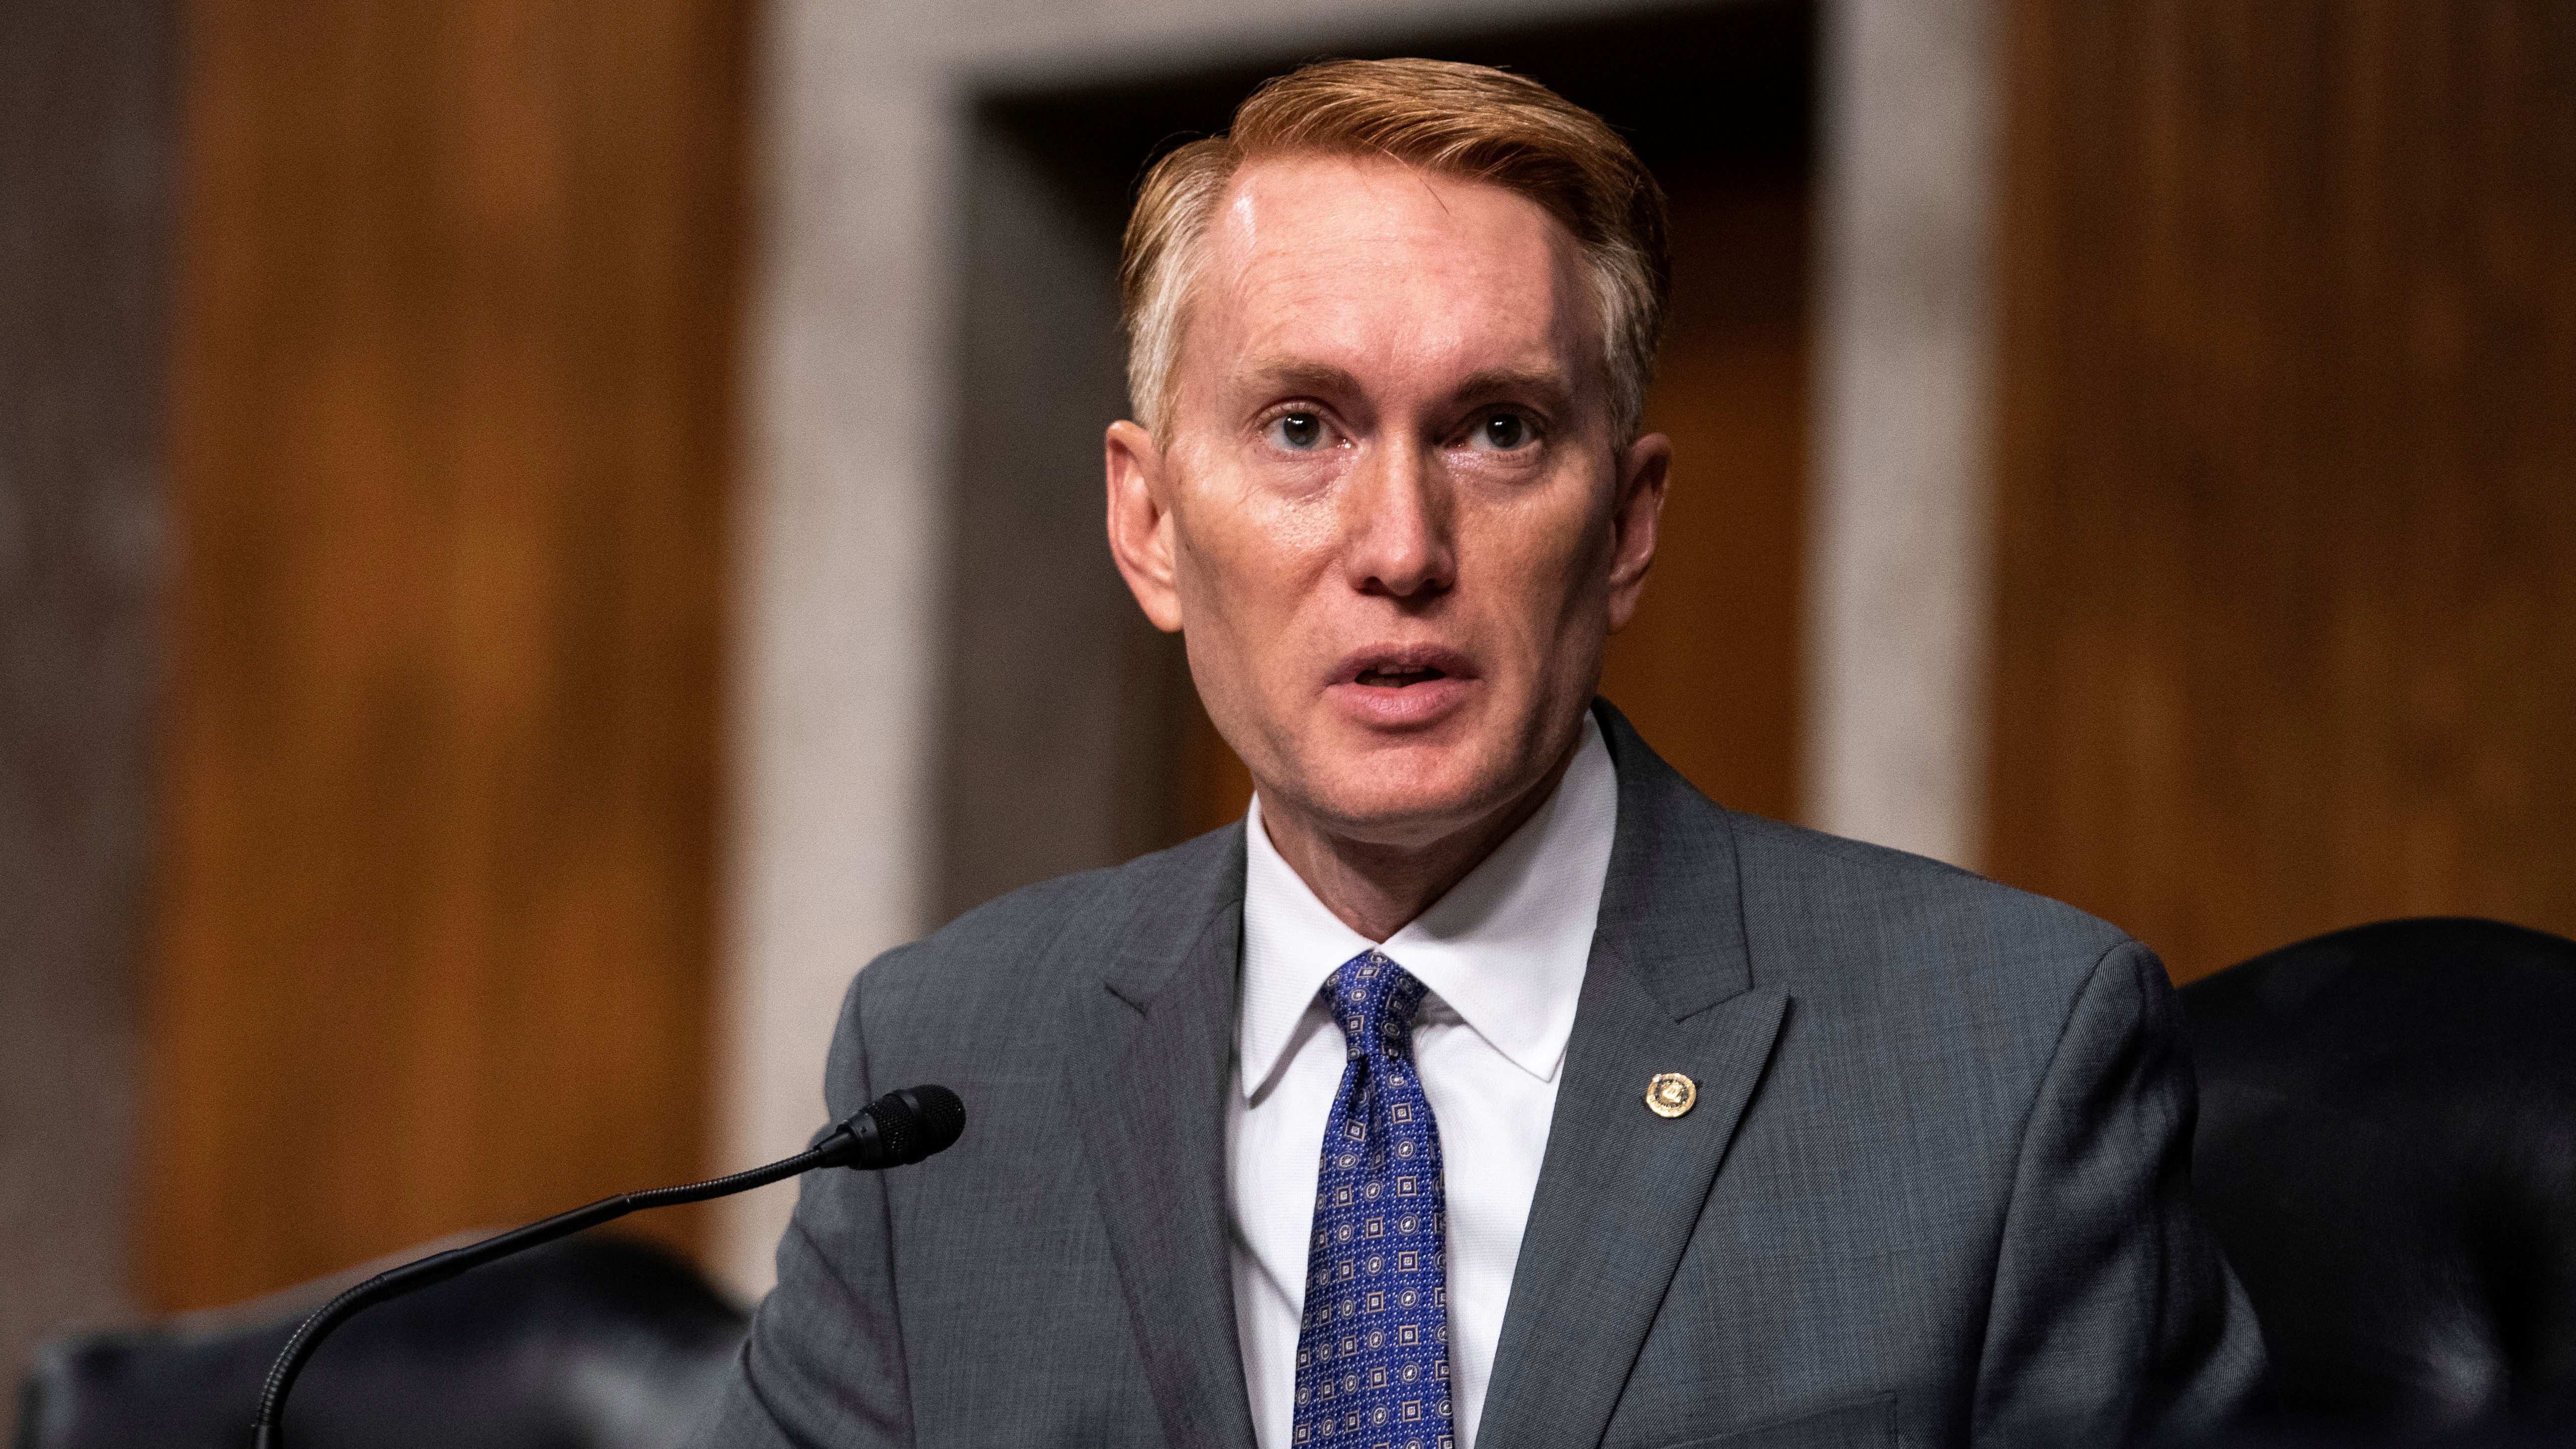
[{"x": 896, "y": 1130}]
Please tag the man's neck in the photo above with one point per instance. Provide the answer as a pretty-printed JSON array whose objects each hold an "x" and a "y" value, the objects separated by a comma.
[{"x": 1378, "y": 889}]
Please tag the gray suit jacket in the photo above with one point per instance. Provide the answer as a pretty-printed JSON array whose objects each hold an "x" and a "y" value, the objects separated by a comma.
[{"x": 1934, "y": 1189}]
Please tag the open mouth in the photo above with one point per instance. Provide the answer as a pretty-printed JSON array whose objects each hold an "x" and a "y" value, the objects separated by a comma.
[
  {"x": 1397, "y": 676},
  {"x": 1401, "y": 666},
  {"x": 1402, "y": 686}
]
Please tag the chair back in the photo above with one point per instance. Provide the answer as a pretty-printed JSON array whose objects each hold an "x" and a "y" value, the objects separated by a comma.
[
  {"x": 588, "y": 1343},
  {"x": 2387, "y": 1150}
]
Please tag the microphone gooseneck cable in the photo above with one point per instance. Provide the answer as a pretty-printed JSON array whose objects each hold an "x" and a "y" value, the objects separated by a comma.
[{"x": 895, "y": 1130}]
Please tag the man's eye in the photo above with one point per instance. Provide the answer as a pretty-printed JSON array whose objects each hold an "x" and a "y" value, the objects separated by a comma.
[
  {"x": 1297, "y": 432},
  {"x": 1503, "y": 432}
]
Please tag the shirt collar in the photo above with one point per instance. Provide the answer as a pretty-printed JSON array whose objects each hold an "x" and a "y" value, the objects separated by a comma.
[{"x": 1505, "y": 948}]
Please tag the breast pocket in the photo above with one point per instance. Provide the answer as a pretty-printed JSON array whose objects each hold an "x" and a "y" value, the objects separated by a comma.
[{"x": 1869, "y": 1424}]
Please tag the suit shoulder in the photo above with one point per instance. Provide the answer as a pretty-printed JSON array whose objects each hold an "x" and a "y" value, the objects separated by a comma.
[
  {"x": 1967, "y": 985},
  {"x": 1923, "y": 908},
  {"x": 997, "y": 941}
]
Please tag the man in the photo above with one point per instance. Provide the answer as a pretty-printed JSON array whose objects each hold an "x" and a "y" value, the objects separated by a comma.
[{"x": 1488, "y": 1085}]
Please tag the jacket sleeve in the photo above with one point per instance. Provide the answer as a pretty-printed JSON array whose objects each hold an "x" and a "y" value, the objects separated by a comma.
[
  {"x": 823, "y": 1366},
  {"x": 2115, "y": 1319}
]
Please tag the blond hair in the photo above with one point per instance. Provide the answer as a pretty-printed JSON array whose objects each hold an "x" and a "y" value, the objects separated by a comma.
[{"x": 1468, "y": 121}]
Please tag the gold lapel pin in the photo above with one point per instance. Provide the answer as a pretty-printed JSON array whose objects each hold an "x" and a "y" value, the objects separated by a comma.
[{"x": 1671, "y": 1094}]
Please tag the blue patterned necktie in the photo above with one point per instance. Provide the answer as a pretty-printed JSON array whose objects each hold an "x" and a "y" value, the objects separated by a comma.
[{"x": 1373, "y": 1348}]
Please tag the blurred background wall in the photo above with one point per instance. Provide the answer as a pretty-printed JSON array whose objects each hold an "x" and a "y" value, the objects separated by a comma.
[
  {"x": 2285, "y": 610},
  {"x": 457, "y": 299},
  {"x": 85, "y": 209},
  {"x": 539, "y": 534}
]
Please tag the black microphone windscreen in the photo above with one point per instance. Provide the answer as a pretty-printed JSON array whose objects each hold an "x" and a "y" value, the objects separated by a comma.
[
  {"x": 914, "y": 1123},
  {"x": 943, "y": 1119}
]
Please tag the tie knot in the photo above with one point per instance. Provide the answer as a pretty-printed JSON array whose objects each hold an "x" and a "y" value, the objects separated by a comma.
[{"x": 1374, "y": 1000}]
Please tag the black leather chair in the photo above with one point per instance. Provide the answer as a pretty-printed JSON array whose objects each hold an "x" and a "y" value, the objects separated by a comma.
[
  {"x": 2387, "y": 1149},
  {"x": 589, "y": 1343}
]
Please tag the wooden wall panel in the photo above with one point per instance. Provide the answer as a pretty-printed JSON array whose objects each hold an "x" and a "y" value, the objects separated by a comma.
[
  {"x": 2286, "y": 630},
  {"x": 1708, "y": 670},
  {"x": 458, "y": 306}
]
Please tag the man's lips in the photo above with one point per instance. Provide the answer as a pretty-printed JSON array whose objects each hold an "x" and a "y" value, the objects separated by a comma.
[
  {"x": 1400, "y": 687},
  {"x": 1400, "y": 666},
  {"x": 1397, "y": 677}
]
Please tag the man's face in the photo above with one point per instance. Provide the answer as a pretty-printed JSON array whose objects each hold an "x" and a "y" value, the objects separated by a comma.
[{"x": 1387, "y": 507}]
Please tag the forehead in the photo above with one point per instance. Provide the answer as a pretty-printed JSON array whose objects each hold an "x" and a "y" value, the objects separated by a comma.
[{"x": 1369, "y": 265}]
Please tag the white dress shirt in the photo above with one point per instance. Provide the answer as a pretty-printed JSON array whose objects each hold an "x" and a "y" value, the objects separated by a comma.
[{"x": 1503, "y": 954}]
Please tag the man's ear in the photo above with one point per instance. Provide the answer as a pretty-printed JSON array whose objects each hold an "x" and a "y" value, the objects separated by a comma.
[
  {"x": 1140, "y": 523},
  {"x": 1644, "y": 467}
]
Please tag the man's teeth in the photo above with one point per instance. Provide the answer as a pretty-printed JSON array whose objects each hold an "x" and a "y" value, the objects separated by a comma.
[{"x": 1397, "y": 678}]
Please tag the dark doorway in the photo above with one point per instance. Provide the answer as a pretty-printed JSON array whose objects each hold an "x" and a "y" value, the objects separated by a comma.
[{"x": 1073, "y": 737}]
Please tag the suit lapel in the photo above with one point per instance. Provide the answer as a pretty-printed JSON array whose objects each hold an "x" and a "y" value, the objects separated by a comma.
[
  {"x": 1154, "y": 1039},
  {"x": 1669, "y": 989}
]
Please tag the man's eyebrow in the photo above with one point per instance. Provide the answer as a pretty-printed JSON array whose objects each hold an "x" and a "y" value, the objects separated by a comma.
[
  {"x": 1293, "y": 375},
  {"x": 1548, "y": 385}
]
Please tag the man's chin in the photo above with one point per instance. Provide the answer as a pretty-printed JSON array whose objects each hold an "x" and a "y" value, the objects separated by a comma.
[{"x": 1404, "y": 798}]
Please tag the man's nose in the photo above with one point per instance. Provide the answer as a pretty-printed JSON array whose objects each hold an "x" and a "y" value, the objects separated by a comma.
[{"x": 1400, "y": 526}]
